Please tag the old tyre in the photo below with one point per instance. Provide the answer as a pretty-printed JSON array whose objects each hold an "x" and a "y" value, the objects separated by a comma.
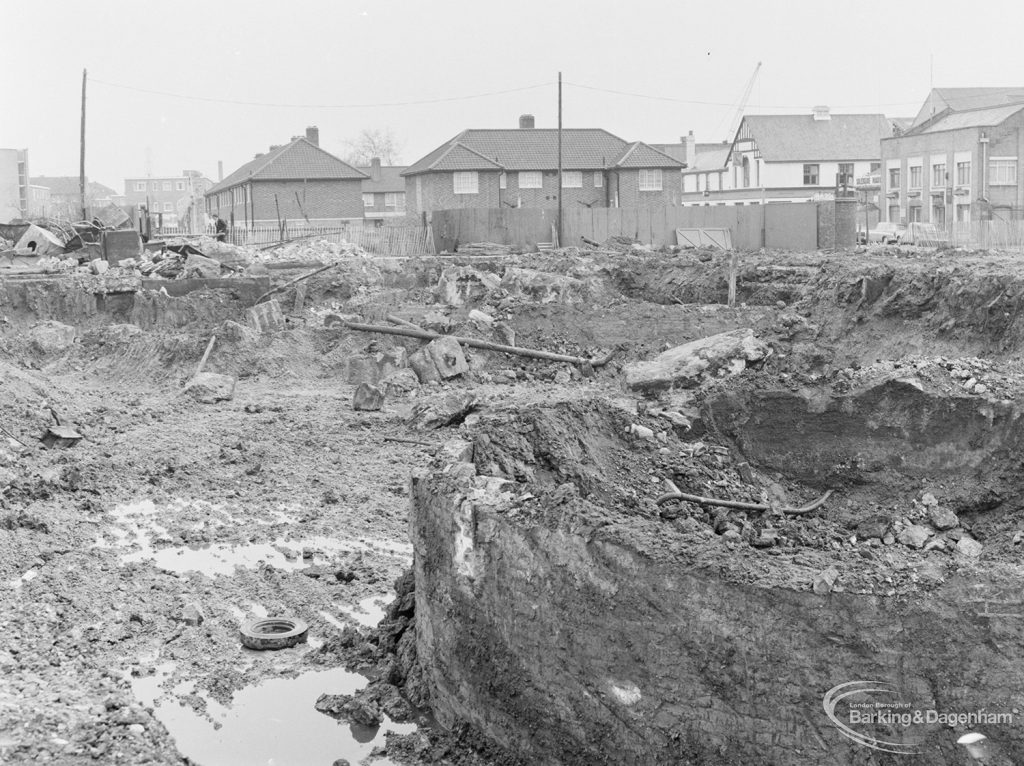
[{"x": 273, "y": 633}]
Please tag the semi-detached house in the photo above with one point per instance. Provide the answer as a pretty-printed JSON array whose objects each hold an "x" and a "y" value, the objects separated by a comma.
[
  {"x": 298, "y": 181},
  {"x": 498, "y": 168}
]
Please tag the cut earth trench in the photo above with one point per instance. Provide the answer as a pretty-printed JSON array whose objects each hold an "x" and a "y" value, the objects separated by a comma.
[{"x": 561, "y": 615}]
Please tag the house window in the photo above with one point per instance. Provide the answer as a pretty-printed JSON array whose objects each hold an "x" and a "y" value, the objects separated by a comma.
[
  {"x": 140, "y": 186},
  {"x": 156, "y": 186},
  {"x": 1002, "y": 171},
  {"x": 598, "y": 179},
  {"x": 916, "y": 177},
  {"x": 167, "y": 185},
  {"x": 572, "y": 179},
  {"x": 367, "y": 200},
  {"x": 811, "y": 175},
  {"x": 876, "y": 166},
  {"x": 963, "y": 173},
  {"x": 846, "y": 174},
  {"x": 168, "y": 207},
  {"x": 531, "y": 179},
  {"x": 938, "y": 175},
  {"x": 650, "y": 179},
  {"x": 179, "y": 185},
  {"x": 914, "y": 214},
  {"x": 466, "y": 182},
  {"x": 503, "y": 180},
  {"x": 391, "y": 199},
  {"x": 894, "y": 180}
]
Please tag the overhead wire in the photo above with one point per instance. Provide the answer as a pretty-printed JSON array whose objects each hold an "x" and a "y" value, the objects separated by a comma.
[{"x": 418, "y": 102}]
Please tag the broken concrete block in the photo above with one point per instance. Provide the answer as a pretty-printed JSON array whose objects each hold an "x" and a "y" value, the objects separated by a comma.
[
  {"x": 192, "y": 614},
  {"x": 99, "y": 266},
  {"x": 688, "y": 365},
  {"x": 51, "y": 337},
  {"x": 914, "y": 536},
  {"x": 460, "y": 284},
  {"x": 485, "y": 320},
  {"x": 210, "y": 387},
  {"x": 207, "y": 268},
  {"x": 370, "y": 368},
  {"x": 442, "y": 412},
  {"x": 942, "y": 518},
  {"x": 968, "y": 547},
  {"x": 504, "y": 333},
  {"x": 399, "y": 383},
  {"x": 368, "y": 398},
  {"x": 825, "y": 581},
  {"x": 641, "y": 432},
  {"x": 448, "y": 357},
  {"x": 422, "y": 363},
  {"x": 266, "y": 317},
  {"x": 874, "y": 527}
]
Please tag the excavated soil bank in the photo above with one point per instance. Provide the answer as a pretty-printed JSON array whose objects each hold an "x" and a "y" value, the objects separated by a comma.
[{"x": 559, "y": 613}]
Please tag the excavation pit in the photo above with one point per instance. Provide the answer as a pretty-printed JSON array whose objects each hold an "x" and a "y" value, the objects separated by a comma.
[{"x": 563, "y": 616}]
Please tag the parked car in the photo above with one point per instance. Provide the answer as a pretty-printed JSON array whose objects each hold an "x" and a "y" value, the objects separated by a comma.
[
  {"x": 887, "y": 232},
  {"x": 925, "y": 234}
]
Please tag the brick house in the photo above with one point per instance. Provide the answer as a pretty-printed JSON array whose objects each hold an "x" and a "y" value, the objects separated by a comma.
[
  {"x": 169, "y": 197},
  {"x": 956, "y": 163},
  {"x": 298, "y": 181},
  {"x": 383, "y": 191},
  {"x": 491, "y": 168}
]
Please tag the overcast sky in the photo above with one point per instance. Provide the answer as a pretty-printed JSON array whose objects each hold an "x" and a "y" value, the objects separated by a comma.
[{"x": 344, "y": 65}]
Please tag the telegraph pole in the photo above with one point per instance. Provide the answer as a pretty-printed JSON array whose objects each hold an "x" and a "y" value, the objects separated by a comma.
[
  {"x": 560, "y": 159},
  {"x": 81, "y": 164}
]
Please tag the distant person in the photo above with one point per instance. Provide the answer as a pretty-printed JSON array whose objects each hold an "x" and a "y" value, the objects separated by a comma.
[{"x": 222, "y": 230}]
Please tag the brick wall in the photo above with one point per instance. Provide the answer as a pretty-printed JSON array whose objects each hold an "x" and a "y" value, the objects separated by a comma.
[
  {"x": 427, "y": 192},
  {"x": 626, "y": 183},
  {"x": 321, "y": 200},
  {"x": 826, "y": 225},
  {"x": 547, "y": 197}
]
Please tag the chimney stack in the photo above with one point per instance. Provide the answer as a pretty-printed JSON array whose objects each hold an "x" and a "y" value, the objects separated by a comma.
[
  {"x": 313, "y": 135},
  {"x": 375, "y": 168},
  {"x": 689, "y": 149},
  {"x": 526, "y": 122},
  {"x": 821, "y": 113}
]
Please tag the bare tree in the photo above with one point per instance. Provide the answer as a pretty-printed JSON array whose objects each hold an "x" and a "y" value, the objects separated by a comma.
[{"x": 373, "y": 142}]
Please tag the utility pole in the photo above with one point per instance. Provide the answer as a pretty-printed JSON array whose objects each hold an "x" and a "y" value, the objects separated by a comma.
[
  {"x": 81, "y": 163},
  {"x": 560, "y": 159}
]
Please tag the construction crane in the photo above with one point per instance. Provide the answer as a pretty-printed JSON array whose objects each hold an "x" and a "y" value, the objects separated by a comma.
[{"x": 735, "y": 124}]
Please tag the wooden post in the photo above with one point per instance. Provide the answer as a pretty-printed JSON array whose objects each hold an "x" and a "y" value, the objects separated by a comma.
[
  {"x": 733, "y": 264},
  {"x": 280, "y": 228},
  {"x": 81, "y": 159},
  {"x": 559, "y": 192}
]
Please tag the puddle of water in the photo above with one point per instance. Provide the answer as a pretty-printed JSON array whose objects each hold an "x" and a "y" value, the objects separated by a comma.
[
  {"x": 369, "y": 611},
  {"x": 273, "y": 723},
  {"x": 136, "y": 528}
]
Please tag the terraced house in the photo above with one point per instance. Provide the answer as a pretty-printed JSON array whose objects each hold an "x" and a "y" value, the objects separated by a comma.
[
  {"x": 494, "y": 168},
  {"x": 297, "y": 181}
]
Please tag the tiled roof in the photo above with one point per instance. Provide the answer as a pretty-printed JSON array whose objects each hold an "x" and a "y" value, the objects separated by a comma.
[
  {"x": 390, "y": 179},
  {"x": 975, "y": 118},
  {"x": 795, "y": 137},
  {"x": 297, "y": 160},
  {"x": 453, "y": 156},
  {"x": 709, "y": 157},
  {"x": 640, "y": 155},
  {"x": 537, "y": 149}
]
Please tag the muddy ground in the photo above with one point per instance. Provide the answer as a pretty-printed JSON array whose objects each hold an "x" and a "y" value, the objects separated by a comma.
[{"x": 128, "y": 561}]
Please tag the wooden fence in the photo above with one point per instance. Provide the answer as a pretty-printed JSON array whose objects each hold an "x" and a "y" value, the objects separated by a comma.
[{"x": 791, "y": 226}]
